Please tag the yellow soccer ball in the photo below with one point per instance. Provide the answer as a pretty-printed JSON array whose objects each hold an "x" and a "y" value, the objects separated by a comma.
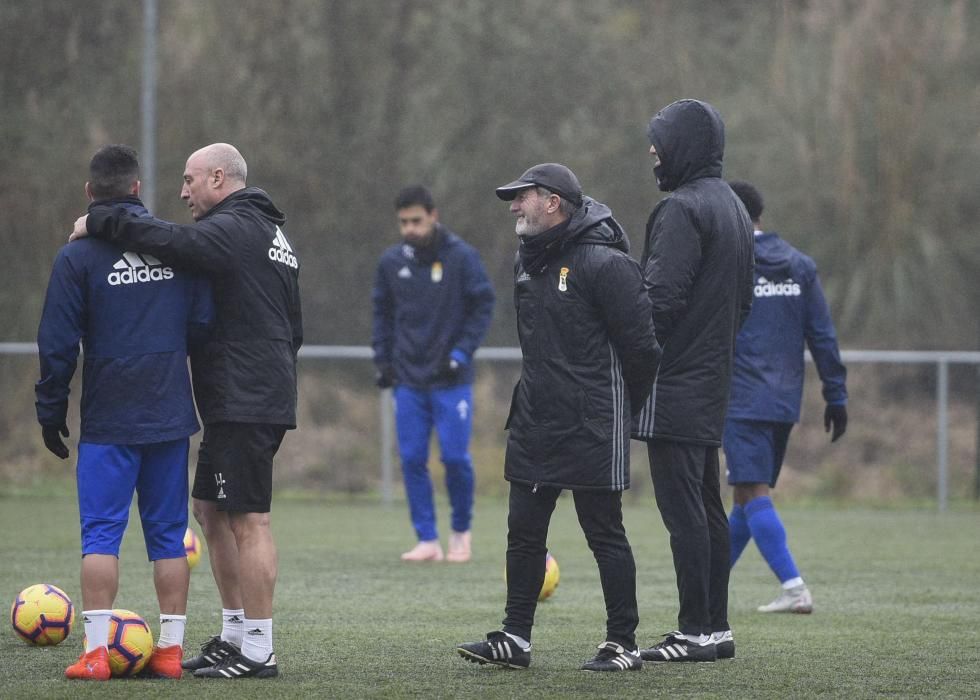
[
  {"x": 42, "y": 615},
  {"x": 193, "y": 548},
  {"x": 130, "y": 643},
  {"x": 551, "y": 576}
]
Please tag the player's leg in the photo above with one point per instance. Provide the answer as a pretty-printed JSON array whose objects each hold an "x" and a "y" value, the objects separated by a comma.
[
  {"x": 162, "y": 489},
  {"x": 735, "y": 461},
  {"x": 528, "y": 519},
  {"x": 247, "y": 463},
  {"x": 222, "y": 549},
  {"x": 413, "y": 425},
  {"x": 678, "y": 472},
  {"x": 453, "y": 412},
  {"x": 600, "y": 514},
  {"x": 106, "y": 476}
]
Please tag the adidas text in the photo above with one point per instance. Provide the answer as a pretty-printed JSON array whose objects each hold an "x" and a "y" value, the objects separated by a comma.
[
  {"x": 143, "y": 274},
  {"x": 766, "y": 288},
  {"x": 280, "y": 255}
]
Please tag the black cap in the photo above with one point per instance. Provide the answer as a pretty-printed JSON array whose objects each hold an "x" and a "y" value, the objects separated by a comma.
[{"x": 554, "y": 177}]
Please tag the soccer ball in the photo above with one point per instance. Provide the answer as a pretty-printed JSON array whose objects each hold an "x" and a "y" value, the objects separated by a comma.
[
  {"x": 192, "y": 547},
  {"x": 42, "y": 615},
  {"x": 130, "y": 643},
  {"x": 551, "y": 575}
]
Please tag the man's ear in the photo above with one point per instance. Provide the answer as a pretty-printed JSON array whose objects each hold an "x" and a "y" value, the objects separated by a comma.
[
  {"x": 135, "y": 189},
  {"x": 217, "y": 177},
  {"x": 88, "y": 192},
  {"x": 435, "y": 214}
]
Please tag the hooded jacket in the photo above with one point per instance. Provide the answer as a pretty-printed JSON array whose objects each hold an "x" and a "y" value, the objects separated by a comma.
[
  {"x": 136, "y": 318},
  {"x": 427, "y": 310},
  {"x": 246, "y": 372},
  {"x": 697, "y": 264},
  {"x": 789, "y": 310},
  {"x": 589, "y": 357}
]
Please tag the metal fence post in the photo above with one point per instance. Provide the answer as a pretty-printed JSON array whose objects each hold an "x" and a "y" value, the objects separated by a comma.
[
  {"x": 386, "y": 403},
  {"x": 942, "y": 434}
]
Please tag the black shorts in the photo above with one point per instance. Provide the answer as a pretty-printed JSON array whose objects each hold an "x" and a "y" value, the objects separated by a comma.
[{"x": 234, "y": 466}]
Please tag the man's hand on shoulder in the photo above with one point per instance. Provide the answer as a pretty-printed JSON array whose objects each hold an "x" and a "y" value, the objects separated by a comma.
[{"x": 80, "y": 230}]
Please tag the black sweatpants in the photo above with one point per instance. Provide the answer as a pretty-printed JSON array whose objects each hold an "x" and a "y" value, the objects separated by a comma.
[
  {"x": 687, "y": 486},
  {"x": 600, "y": 513}
]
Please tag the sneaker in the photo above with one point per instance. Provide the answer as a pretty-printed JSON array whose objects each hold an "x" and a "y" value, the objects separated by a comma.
[
  {"x": 91, "y": 666},
  {"x": 459, "y": 547},
  {"x": 677, "y": 648},
  {"x": 724, "y": 644},
  {"x": 164, "y": 663},
  {"x": 424, "y": 551},
  {"x": 614, "y": 657},
  {"x": 240, "y": 666},
  {"x": 213, "y": 652},
  {"x": 499, "y": 650},
  {"x": 791, "y": 600}
]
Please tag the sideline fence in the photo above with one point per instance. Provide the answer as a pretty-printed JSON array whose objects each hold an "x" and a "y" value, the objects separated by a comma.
[{"x": 940, "y": 358}]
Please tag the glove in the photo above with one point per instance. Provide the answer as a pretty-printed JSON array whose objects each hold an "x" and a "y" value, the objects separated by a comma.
[
  {"x": 451, "y": 369},
  {"x": 385, "y": 377},
  {"x": 52, "y": 439},
  {"x": 836, "y": 416}
]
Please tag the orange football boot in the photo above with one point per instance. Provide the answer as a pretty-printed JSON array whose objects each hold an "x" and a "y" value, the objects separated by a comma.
[
  {"x": 165, "y": 662},
  {"x": 91, "y": 666}
]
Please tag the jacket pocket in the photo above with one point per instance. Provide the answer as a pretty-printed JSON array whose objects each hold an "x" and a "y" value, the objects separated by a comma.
[{"x": 513, "y": 401}]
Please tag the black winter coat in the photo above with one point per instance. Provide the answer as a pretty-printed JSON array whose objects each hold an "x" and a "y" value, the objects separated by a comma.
[
  {"x": 590, "y": 355},
  {"x": 697, "y": 263},
  {"x": 246, "y": 372}
]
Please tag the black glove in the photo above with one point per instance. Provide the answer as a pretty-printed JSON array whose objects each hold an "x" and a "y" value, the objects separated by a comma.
[
  {"x": 52, "y": 439},
  {"x": 836, "y": 416},
  {"x": 451, "y": 369},
  {"x": 384, "y": 378}
]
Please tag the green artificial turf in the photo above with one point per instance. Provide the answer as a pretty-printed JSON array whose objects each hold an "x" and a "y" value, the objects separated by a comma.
[{"x": 897, "y": 609}]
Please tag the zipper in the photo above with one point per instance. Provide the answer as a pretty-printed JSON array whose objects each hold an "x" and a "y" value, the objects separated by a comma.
[{"x": 534, "y": 489}]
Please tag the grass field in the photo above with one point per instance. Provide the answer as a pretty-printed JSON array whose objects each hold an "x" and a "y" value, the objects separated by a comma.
[{"x": 897, "y": 597}]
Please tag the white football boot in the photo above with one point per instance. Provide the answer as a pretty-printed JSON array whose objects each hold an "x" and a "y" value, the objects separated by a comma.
[{"x": 791, "y": 600}]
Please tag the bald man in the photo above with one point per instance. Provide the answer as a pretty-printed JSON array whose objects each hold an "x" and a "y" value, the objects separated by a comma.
[{"x": 244, "y": 384}]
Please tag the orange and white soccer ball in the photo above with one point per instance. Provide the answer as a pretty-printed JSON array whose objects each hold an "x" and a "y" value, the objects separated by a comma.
[
  {"x": 192, "y": 548},
  {"x": 551, "y": 576},
  {"x": 130, "y": 643},
  {"x": 42, "y": 615}
]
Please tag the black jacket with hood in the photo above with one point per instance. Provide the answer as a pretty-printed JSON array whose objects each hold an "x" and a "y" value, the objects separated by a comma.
[
  {"x": 697, "y": 263},
  {"x": 590, "y": 355},
  {"x": 246, "y": 372}
]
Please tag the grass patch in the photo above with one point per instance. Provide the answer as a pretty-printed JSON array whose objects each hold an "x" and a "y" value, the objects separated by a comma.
[{"x": 896, "y": 595}]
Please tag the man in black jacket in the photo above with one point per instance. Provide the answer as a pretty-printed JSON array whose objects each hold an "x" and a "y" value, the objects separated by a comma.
[
  {"x": 244, "y": 384},
  {"x": 590, "y": 355},
  {"x": 697, "y": 262}
]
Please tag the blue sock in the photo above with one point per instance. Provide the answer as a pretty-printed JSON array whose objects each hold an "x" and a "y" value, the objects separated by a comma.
[
  {"x": 738, "y": 528},
  {"x": 770, "y": 536}
]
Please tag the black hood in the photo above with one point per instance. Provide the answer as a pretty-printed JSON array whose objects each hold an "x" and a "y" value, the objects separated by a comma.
[
  {"x": 689, "y": 136},
  {"x": 593, "y": 223},
  {"x": 254, "y": 196}
]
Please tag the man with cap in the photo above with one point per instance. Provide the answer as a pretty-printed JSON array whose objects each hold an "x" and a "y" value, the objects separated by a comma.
[
  {"x": 590, "y": 355},
  {"x": 697, "y": 262}
]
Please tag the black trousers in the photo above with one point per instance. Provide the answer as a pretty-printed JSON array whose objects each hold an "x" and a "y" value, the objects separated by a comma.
[
  {"x": 688, "y": 491},
  {"x": 600, "y": 513}
]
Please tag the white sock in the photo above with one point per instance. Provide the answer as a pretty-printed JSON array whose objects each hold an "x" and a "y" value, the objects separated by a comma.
[
  {"x": 792, "y": 583},
  {"x": 96, "y": 628},
  {"x": 233, "y": 626},
  {"x": 171, "y": 630},
  {"x": 521, "y": 642},
  {"x": 697, "y": 638},
  {"x": 258, "y": 639}
]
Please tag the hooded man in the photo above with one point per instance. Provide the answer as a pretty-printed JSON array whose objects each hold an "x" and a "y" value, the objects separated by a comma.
[
  {"x": 589, "y": 357},
  {"x": 697, "y": 263}
]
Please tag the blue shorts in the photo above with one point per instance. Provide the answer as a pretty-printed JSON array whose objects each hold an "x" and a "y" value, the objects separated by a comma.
[
  {"x": 754, "y": 450},
  {"x": 108, "y": 475}
]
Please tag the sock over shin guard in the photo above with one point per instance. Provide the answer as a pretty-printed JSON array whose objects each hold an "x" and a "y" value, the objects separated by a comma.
[
  {"x": 739, "y": 533},
  {"x": 770, "y": 536}
]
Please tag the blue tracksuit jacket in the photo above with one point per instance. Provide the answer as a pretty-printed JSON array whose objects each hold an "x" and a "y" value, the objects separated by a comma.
[
  {"x": 789, "y": 310},
  {"x": 134, "y": 317},
  {"x": 423, "y": 313}
]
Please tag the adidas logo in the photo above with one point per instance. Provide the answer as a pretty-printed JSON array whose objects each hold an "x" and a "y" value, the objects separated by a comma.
[
  {"x": 133, "y": 268},
  {"x": 524, "y": 277},
  {"x": 281, "y": 251},
  {"x": 767, "y": 288},
  {"x": 255, "y": 633},
  {"x": 404, "y": 273}
]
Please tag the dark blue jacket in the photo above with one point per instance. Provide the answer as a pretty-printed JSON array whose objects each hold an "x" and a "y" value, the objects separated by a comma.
[
  {"x": 423, "y": 313},
  {"x": 789, "y": 310},
  {"x": 134, "y": 317}
]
